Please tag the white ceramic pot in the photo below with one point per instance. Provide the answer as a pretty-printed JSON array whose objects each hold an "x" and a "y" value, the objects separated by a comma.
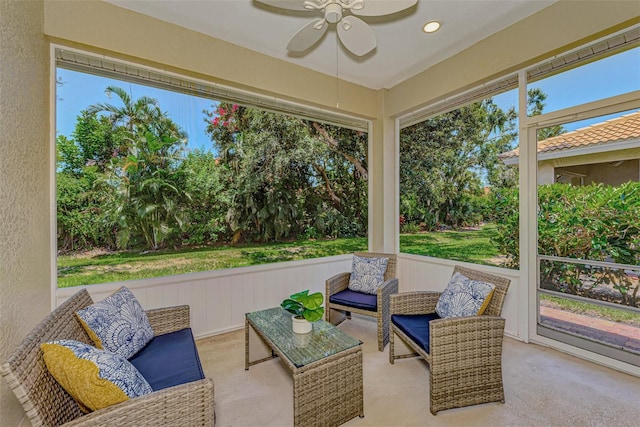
[{"x": 301, "y": 325}]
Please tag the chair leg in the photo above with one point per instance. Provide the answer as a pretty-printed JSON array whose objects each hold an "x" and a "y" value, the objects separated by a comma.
[
  {"x": 391, "y": 348},
  {"x": 348, "y": 313},
  {"x": 383, "y": 333}
]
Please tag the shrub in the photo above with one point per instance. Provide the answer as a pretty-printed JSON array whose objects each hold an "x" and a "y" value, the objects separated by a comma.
[
  {"x": 80, "y": 221},
  {"x": 593, "y": 222},
  {"x": 409, "y": 228}
]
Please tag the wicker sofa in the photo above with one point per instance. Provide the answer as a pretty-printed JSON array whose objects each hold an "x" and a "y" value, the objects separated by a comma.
[{"x": 47, "y": 404}]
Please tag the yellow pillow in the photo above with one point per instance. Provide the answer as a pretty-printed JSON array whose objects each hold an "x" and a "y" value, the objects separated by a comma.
[{"x": 94, "y": 378}]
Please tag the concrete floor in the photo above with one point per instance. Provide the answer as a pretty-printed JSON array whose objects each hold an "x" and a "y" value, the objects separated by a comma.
[{"x": 543, "y": 387}]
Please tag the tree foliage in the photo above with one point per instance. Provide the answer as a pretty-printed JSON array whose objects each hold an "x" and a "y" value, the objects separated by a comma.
[
  {"x": 122, "y": 164},
  {"x": 126, "y": 180},
  {"x": 444, "y": 159},
  {"x": 285, "y": 177},
  {"x": 449, "y": 162},
  {"x": 593, "y": 222}
]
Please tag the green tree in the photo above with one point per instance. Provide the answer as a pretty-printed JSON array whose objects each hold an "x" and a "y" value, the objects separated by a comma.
[
  {"x": 79, "y": 211},
  {"x": 98, "y": 140},
  {"x": 286, "y": 176},
  {"x": 205, "y": 218},
  {"x": 146, "y": 204},
  {"x": 81, "y": 161},
  {"x": 536, "y": 98},
  {"x": 446, "y": 160},
  {"x": 440, "y": 163},
  {"x": 592, "y": 222}
]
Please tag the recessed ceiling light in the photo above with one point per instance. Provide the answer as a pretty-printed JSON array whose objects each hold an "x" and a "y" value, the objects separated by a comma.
[{"x": 431, "y": 27}]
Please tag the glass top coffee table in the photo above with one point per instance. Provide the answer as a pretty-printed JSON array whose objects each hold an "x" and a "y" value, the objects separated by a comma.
[{"x": 326, "y": 365}]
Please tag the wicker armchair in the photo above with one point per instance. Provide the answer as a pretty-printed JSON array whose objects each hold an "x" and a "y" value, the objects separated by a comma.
[
  {"x": 47, "y": 404},
  {"x": 379, "y": 308},
  {"x": 465, "y": 353}
]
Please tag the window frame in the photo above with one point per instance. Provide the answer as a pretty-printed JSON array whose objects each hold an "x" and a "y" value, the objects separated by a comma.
[{"x": 84, "y": 61}]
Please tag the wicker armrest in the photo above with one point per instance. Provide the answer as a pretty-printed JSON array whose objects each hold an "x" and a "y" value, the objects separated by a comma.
[
  {"x": 385, "y": 291},
  {"x": 421, "y": 302},
  {"x": 388, "y": 287},
  {"x": 336, "y": 283},
  {"x": 471, "y": 333},
  {"x": 188, "y": 404},
  {"x": 169, "y": 319}
]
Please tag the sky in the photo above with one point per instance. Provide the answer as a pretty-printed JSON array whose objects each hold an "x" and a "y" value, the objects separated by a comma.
[
  {"x": 612, "y": 76},
  {"x": 608, "y": 77},
  {"x": 80, "y": 90}
]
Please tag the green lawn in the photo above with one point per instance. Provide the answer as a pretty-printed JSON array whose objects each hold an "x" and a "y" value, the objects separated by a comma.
[
  {"x": 472, "y": 246},
  {"x": 592, "y": 310},
  {"x": 75, "y": 270}
]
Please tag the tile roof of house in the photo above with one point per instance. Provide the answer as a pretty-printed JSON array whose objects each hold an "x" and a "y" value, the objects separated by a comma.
[{"x": 623, "y": 128}]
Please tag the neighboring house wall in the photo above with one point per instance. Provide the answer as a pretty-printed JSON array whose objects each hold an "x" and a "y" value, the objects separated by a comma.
[
  {"x": 546, "y": 173},
  {"x": 606, "y": 173},
  {"x": 612, "y": 168}
]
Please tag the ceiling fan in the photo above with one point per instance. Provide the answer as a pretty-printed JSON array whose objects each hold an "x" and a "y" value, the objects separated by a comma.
[{"x": 353, "y": 32}]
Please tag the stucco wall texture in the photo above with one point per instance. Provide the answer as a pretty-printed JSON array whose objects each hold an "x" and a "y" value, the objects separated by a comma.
[{"x": 25, "y": 292}]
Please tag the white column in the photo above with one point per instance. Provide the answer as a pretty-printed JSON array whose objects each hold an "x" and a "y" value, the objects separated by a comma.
[{"x": 383, "y": 181}]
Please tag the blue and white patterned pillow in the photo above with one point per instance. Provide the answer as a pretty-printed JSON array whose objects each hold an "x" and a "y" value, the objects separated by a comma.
[
  {"x": 367, "y": 274},
  {"x": 117, "y": 324},
  {"x": 464, "y": 297},
  {"x": 95, "y": 378}
]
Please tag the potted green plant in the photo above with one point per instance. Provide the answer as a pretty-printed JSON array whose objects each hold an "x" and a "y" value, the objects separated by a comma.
[{"x": 305, "y": 309}]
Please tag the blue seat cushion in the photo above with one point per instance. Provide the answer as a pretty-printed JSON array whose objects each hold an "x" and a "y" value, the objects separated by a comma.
[
  {"x": 168, "y": 360},
  {"x": 415, "y": 326},
  {"x": 355, "y": 300}
]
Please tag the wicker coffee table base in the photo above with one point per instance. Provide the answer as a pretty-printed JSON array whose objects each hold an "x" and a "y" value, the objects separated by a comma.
[{"x": 328, "y": 392}]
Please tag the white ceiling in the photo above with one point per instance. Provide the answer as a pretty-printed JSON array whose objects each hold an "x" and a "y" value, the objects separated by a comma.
[{"x": 403, "y": 49}]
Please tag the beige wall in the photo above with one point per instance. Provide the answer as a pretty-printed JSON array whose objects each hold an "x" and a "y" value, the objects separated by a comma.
[
  {"x": 25, "y": 292},
  {"x": 597, "y": 167},
  {"x": 117, "y": 30},
  {"x": 546, "y": 173}
]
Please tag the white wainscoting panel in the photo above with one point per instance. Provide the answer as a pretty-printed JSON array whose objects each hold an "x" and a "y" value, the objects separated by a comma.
[{"x": 218, "y": 300}]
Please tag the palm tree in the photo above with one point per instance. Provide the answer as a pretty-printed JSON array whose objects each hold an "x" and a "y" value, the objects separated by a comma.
[
  {"x": 131, "y": 115},
  {"x": 146, "y": 200}
]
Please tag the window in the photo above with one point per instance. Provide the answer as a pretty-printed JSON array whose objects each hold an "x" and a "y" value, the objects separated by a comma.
[
  {"x": 154, "y": 179},
  {"x": 458, "y": 199}
]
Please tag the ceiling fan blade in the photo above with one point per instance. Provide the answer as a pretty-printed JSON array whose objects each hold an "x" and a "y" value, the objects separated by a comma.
[
  {"x": 356, "y": 35},
  {"x": 285, "y": 4},
  {"x": 308, "y": 35},
  {"x": 382, "y": 7}
]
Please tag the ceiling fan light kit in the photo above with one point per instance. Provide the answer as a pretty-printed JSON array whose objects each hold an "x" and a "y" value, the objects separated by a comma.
[{"x": 354, "y": 33}]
